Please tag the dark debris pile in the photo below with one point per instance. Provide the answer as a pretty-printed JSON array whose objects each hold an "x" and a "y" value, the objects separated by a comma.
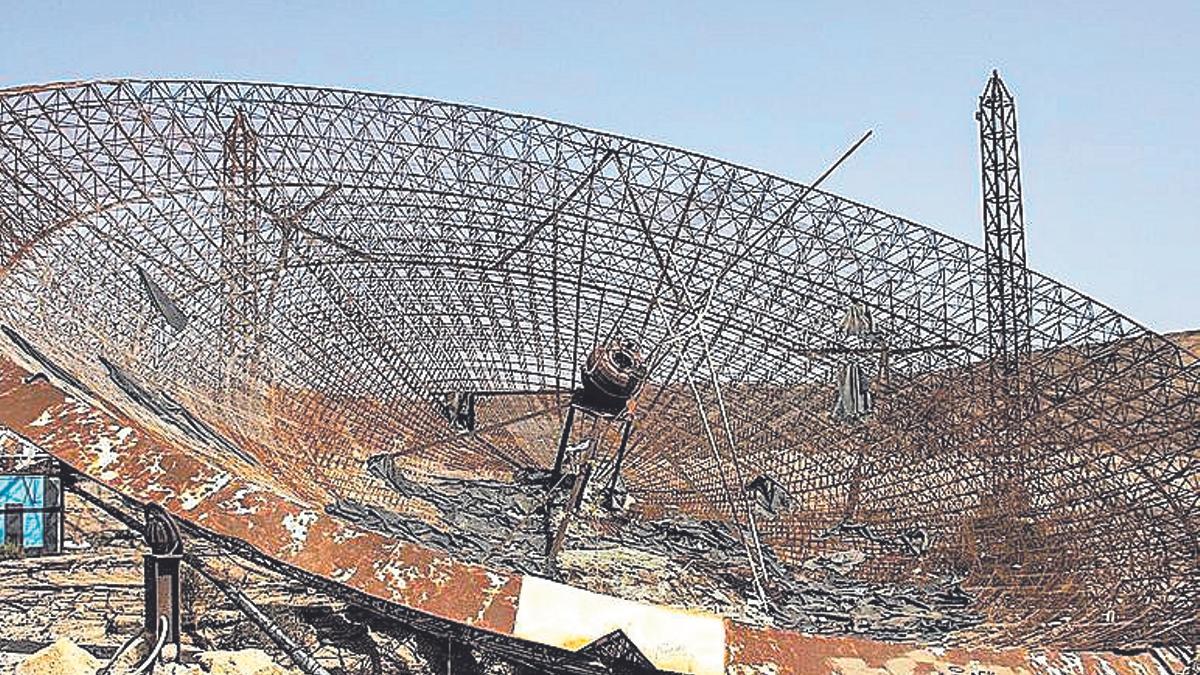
[{"x": 682, "y": 561}]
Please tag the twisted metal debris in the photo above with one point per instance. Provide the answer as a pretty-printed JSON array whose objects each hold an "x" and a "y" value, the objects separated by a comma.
[{"x": 305, "y": 274}]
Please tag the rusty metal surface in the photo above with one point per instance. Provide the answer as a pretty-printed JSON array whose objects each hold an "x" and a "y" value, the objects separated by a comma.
[
  {"x": 754, "y": 651},
  {"x": 126, "y": 456},
  {"x": 344, "y": 260},
  {"x": 215, "y": 495}
]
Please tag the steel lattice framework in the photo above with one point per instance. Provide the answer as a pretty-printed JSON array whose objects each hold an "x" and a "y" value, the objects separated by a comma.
[
  {"x": 310, "y": 271},
  {"x": 1003, "y": 226}
]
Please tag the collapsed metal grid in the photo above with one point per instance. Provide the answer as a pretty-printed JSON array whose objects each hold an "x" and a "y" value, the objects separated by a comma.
[{"x": 343, "y": 259}]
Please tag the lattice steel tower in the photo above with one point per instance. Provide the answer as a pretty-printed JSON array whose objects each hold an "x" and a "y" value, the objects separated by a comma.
[
  {"x": 241, "y": 240},
  {"x": 1007, "y": 277}
]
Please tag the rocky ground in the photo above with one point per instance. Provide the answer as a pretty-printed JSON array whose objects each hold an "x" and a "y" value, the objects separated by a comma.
[{"x": 92, "y": 597}]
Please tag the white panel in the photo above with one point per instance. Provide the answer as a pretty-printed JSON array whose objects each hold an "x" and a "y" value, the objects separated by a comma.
[{"x": 568, "y": 617}]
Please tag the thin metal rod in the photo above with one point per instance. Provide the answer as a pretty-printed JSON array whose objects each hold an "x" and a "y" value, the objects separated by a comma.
[
  {"x": 626, "y": 430},
  {"x": 735, "y": 260},
  {"x": 608, "y": 154},
  {"x": 563, "y": 440}
]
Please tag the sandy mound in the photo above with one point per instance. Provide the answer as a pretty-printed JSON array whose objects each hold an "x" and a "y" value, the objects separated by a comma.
[{"x": 61, "y": 658}]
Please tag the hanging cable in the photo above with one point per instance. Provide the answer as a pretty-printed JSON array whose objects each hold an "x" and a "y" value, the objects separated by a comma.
[
  {"x": 164, "y": 626},
  {"x": 120, "y": 650}
]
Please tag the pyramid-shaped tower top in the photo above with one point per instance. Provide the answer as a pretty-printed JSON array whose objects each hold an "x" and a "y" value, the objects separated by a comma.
[{"x": 994, "y": 91}]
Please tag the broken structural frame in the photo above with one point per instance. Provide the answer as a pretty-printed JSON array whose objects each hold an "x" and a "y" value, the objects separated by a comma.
[
  {"x": 625, "y": 420},
  {"x": 1106, "y": 386},
  {"x": 163, "y": 615},
  {"x": 596, "y": 658}
]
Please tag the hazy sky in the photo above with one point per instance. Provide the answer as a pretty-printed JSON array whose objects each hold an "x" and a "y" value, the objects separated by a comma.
[{"x": 1108, "y": 96}]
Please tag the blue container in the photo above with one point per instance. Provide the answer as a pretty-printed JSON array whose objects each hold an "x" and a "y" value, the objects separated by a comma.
[{"x": 29, "y": 492}]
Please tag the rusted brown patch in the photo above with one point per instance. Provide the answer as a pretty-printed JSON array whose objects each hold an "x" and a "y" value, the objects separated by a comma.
[{"x": 763, "y": 651}]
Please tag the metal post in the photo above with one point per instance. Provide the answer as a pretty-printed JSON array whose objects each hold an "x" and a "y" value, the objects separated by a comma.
[
  {"x": 14, "y": 526},
  {"x": 52, "y": 515},
  {"x": 470, "y": 412},
  {"x": 616, "y": 474},
  {"x": 162, "y": 595},
  {"x": 562, "y": 445},
  {"x": 161, "y": 574}
]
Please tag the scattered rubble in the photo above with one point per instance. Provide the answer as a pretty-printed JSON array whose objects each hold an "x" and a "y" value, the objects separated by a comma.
[
  {"x": 680, "y": 561},
  {"x": 91, "y": 597}
]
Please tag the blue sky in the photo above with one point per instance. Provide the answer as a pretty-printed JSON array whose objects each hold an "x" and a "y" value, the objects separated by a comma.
[{"x": 1107, "y": 92}]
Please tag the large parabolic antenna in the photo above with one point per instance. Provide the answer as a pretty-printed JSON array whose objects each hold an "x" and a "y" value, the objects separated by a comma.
[{"x": 324, "y": 322}]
